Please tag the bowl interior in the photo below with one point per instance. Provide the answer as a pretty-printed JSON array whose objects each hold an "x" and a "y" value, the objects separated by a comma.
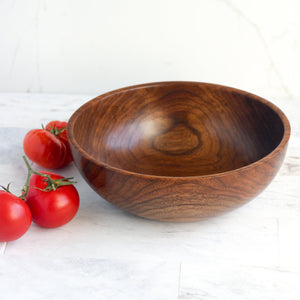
[{"x": 178, "y": 129}]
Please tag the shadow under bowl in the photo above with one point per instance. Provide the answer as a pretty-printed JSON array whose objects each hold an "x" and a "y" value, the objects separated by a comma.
[{"x": 178, "y": 151}]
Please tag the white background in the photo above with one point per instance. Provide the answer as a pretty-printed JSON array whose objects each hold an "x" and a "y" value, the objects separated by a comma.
[
  {"x": 55, "y": 55},
  {"x": 92, "y": 46}
]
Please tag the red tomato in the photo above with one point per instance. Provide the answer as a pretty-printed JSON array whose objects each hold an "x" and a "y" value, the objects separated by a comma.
[
  {"x": 15, "y": 217},
  {"x": 54, "y": 208},
  {"x": 48, "y": 147},
  {"x": 59, "y": 125},
  {"x": 44, "y": 148}
]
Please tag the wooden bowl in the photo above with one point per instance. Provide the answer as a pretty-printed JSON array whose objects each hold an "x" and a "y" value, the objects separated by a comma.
[{"x": 178, "y": 151}]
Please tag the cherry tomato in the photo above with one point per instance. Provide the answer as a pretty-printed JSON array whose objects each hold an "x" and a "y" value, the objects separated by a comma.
[
  {"x": 48, "y": 147},
  {"x": 51, "y": 208},
  {"x": 15, "y": 217},
  {"x": 44, "y": 148},
  {"x": 62, "y": 135}
]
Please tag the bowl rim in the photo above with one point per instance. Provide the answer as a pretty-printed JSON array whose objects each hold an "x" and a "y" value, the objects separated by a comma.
[{"x": 273, "y": 107}]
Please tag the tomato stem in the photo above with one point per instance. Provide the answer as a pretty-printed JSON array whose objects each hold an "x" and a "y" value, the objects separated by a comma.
[
  {"x": 55, "y": 131},
  {"x": 52, "y": 184},
  {"x": 6, "y": 189}
]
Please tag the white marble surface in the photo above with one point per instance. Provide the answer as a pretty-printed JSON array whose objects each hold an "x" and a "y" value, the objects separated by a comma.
[
  {"x": 226, "y": 281},
  {"x": 105, "y": 253},
  {"x": 86, "y": 278}
]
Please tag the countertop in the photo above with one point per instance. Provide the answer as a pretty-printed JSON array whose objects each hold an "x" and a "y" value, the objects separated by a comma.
[{"x": 105, "y": 253}]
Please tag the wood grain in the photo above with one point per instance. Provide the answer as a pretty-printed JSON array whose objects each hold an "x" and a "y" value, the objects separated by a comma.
[{"x": 178, "y": 151}]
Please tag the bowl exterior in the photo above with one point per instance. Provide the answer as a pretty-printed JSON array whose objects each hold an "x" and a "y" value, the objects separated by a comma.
[{"x": 179, "y": 199}]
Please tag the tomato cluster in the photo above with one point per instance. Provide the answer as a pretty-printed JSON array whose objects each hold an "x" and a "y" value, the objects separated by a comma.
[
  {"x": 48, "y": 199},
  {"x": 49, "y": 147}
]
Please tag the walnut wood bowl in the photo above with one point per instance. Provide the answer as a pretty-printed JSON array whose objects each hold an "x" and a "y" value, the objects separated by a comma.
[{"x": 178, "y": 151}]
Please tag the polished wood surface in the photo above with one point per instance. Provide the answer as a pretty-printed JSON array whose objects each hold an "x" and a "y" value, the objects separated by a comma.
[{"x": 178, "y": 151}]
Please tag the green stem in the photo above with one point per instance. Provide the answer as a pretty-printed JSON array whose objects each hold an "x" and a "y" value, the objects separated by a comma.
[
  {"x": 25, "y": 188},
  {"x": 6, "y": 189},
  {"x": 56, "y": 131},
  {"x": 52, "y": 184}
]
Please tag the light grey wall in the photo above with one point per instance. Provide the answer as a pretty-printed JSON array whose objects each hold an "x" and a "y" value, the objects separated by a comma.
[{"x": 91, "y": 46}]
